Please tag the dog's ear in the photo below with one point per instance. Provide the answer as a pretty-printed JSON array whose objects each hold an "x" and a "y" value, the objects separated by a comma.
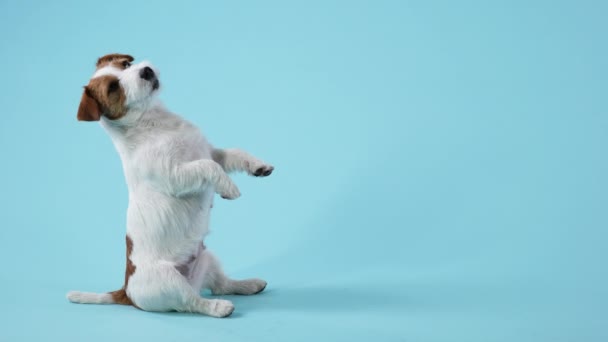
[
  {"x": 89, "y": 109},
  {"x": 111, "y": 57}
]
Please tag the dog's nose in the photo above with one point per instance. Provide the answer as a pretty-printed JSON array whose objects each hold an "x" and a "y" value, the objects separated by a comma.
[{"x": 146, "y": 73}]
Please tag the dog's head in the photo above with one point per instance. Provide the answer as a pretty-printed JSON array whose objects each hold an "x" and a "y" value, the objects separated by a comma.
[{"x": 116, "y": 87}]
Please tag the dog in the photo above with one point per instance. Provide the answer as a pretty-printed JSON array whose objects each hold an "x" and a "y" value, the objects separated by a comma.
[{"x": 172, "y": 174}]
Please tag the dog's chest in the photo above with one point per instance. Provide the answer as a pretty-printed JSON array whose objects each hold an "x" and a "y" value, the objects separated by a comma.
[
  {"x": 182, "y": 144},
  {"x": 149, "y": 157}
]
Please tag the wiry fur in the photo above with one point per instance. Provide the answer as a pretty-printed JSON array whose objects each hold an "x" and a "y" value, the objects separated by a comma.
[{"x": 172, "y": 173}]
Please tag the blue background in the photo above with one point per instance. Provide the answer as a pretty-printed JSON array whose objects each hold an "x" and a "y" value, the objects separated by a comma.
[{"x": 441, "y": 168}]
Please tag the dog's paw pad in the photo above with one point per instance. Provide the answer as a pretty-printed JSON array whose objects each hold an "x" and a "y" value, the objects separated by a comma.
[
  {"x": 231, "y": 196},
  {"x": 263, "y": 171}
]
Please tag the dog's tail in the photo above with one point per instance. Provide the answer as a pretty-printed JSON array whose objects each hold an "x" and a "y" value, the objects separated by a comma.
[{"x": 114, "y": 297}]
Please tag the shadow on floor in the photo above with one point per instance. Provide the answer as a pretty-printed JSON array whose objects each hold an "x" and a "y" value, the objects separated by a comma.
[{"x": 327, "y": 299}]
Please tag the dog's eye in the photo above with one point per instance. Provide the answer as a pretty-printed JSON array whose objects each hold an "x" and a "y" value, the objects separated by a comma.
[
  {"x": 126, "y": 64},
  {"x": 113, "y": 87}
]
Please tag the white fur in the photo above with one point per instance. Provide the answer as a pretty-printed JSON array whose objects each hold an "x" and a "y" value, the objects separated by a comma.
[
  {"x": 90, "y": 298},
  {"x": 108, "y": 70},
  {"x": 172, "y": 173}
]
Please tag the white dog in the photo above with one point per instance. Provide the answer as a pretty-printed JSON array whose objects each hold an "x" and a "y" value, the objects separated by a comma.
[{"x": 172, "y": 173}]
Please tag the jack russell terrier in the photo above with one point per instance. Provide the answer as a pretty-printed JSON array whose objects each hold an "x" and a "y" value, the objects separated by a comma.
[{"x": 172, "y": 173}]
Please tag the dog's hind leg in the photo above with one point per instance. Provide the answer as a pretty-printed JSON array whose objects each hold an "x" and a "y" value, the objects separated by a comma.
[
  {"x": 161, "y": 287},
  {"x": 220, "y": 284},
  {"x": 208, "y": 273}
]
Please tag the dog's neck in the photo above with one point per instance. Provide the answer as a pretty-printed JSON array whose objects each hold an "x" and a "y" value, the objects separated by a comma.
[
  {"x": 136, "y": 115},
  {"x": 139, "y": 119}
]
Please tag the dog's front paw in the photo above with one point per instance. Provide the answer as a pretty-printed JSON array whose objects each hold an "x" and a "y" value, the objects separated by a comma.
[
  {"x": 220, "y": 308},
  {"x": 229, "y": 191},
  {"x": 260, "y": 169},
  {"x": 232, "y": 193}
]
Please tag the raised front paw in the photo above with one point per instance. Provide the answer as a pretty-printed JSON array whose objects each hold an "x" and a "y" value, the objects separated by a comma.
[
  {"x": 228, "y": 190},
  {"x": 260, "y": 169}
]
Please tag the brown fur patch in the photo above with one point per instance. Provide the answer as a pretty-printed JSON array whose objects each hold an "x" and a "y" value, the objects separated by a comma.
[
  {"x": 120, "y": 296},
  {"x": 88, "y": 110},
  {"x": 115, "y": 59},
  {"x": 102, "y": 96}
]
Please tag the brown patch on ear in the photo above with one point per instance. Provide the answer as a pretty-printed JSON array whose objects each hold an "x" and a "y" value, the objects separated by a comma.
[
  {"x": 109, "y": 96},
  {"x": 115, "y": 59},
  {"x": 89, "y": 109},
  {"x": 120, "y": 296}
]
